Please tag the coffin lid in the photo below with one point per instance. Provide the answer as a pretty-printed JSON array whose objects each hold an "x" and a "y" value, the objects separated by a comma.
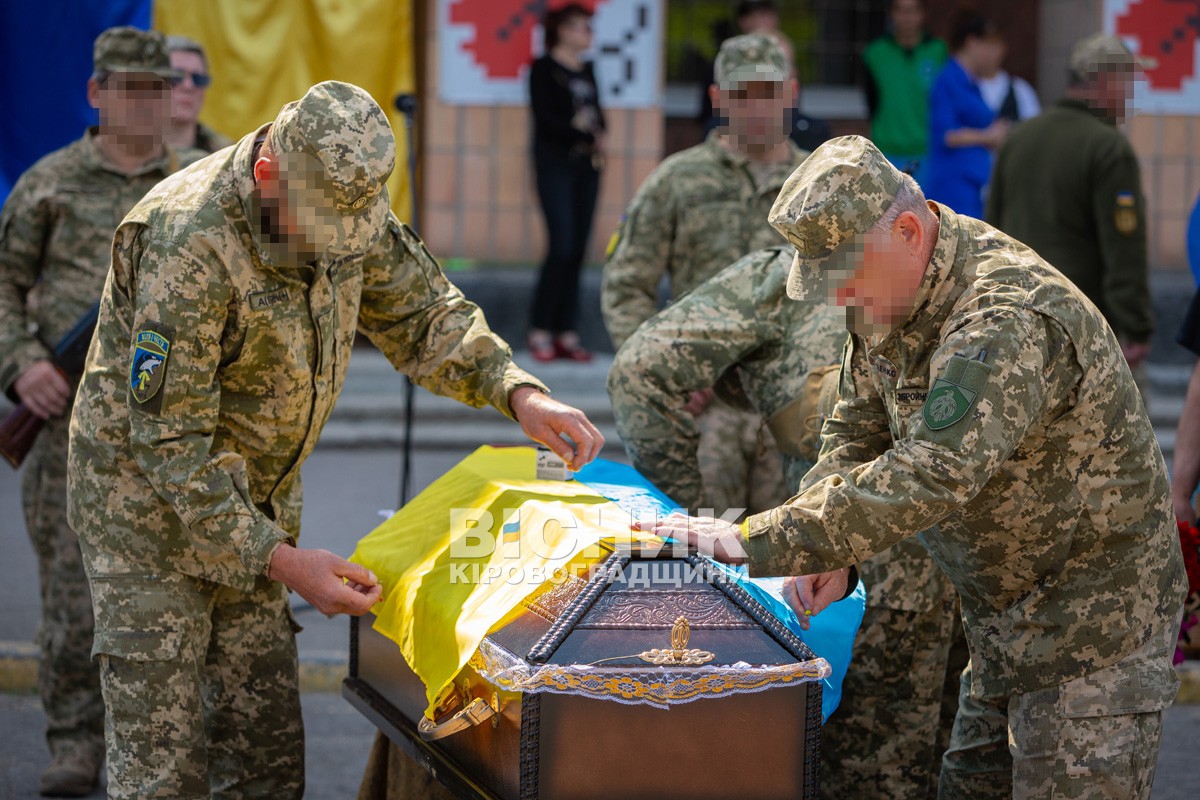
[{"x": 645, "y": 627}]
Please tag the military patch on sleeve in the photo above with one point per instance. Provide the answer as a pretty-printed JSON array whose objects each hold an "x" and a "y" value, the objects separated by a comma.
[
  {"x": 947, "y": 404},
  {"x": 1125, "y": 218},
  {"x": 955, "y": 391},
  {"x": 615, "y": 239},
  {"x": 148, "y": 366}
]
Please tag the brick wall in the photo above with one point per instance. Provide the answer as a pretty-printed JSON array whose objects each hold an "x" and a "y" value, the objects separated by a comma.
[
  {"x": 1168, "y": 148},
  {"x": 478, "y": 196}
]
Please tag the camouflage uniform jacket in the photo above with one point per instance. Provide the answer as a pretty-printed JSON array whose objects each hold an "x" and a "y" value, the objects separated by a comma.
[
  {"x": 741, "y": 318},
  {"x": 203, "y": 478},
  {"x": 698, "y": 212},
  {"x": 1042, "y": 475},
  {"x": 56, "y": 233}
]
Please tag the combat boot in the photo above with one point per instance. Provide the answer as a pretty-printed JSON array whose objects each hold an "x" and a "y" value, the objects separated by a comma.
[{"x": 70, "y": 775}]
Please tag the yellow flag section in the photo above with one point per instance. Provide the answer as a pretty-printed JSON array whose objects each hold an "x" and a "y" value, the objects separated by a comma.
[
  {"x": 264, "y": 54},
  {"x": 461, "y": 557}
]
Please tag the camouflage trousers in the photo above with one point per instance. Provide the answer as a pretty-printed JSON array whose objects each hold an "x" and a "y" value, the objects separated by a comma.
[
  {"x": 900, "y": 695},
  {"x": 201, "y": 687},
  {"x": 68, "y": 681},
  {"x": 1094, "y": 737},
  {"x": 739, "y": 465}
]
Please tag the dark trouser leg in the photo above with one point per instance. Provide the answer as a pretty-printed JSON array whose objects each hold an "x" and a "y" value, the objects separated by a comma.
[
  {"x": 554, "y": 193},
  {"x": 568, "y": 192},
  {"x": 585, "y": 187}
]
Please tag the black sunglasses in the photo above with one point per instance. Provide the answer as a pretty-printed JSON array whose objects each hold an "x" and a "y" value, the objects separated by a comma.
[{"x": 199, "y": 79}]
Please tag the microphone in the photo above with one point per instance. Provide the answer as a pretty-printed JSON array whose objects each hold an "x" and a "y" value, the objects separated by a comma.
[{"x": 406, "y": 104}]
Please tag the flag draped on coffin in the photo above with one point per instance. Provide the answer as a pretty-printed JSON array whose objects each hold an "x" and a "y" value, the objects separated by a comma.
[
  {"x": 459, "y": 559},
  {"x": 262, "y": 54}
]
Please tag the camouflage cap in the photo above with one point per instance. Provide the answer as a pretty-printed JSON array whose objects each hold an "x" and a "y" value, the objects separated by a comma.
[
  {"x": 838, "y": 193},
  {"x": 1102, "y": 53},
  {"x": 336, "y": 150},
  {"x": 753, "y": 57},
  {"x": 126, "y": 49}
]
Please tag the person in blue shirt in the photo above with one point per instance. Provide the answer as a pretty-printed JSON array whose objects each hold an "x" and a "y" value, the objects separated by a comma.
[
  {"x": 963, "y": 129},
  {"x": 1193, "y": 241}
]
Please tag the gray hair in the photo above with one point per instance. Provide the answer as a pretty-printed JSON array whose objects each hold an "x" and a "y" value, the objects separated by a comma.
[
  {"x": 187, "y": 44},
  {"x": 909, "y": 197}
]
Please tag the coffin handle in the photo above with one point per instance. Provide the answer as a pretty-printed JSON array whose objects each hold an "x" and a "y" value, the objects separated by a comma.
[{"x": 479, "y": 710}]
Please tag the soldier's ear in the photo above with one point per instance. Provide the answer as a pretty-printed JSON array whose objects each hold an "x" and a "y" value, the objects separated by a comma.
[
  {"x": 907, "y": 228},
  {"x": 266, "y": 170},
  {"x": 714, "y": 94},
  {"x": 93, "y": 92}
]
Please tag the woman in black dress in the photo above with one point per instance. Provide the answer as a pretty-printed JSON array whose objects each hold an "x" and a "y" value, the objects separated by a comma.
[{"x": 568, "y": 134}]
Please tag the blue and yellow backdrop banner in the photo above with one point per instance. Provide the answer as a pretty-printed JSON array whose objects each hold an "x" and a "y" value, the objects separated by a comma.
[{"x": 262, "y": 54}]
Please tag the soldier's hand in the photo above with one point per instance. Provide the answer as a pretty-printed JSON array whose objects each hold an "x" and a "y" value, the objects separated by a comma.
[
  {"x": 547, "y": 421},
  {"x": 1135, "y": 353},
  {"x": 43, "y": 390},
  {"x": 317, "y": 576},
  {"x": 699, "y": 401},
  {"x": 708, "y": 536},
  {"x": 809, "y": 595}
]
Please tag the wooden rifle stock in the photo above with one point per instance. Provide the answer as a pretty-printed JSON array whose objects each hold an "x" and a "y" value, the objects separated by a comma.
[{"x": 17, "y": 432}]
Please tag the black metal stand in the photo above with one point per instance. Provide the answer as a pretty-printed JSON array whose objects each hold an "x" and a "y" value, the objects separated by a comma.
[{"x": 406, "y": 104}]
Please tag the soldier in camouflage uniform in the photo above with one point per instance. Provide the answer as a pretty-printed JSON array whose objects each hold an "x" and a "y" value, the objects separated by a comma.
[
  {"x": 901, "y": 692},
  {"x": 981, "y": 392},
  {"x": 736, "y": 331},
  {"x": 225, "y": 328},
  {"x": 698, "y": 212},
  {"x": 56, "y": 233}
]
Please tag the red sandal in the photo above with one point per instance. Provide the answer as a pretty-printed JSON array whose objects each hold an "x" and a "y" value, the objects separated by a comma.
[
  {"x": 567, "y": 346},
  {"x": 542, "y": 347}
]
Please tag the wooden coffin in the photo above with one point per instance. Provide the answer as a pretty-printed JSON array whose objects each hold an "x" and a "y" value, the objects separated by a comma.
[{"x": 654, "y": 677}]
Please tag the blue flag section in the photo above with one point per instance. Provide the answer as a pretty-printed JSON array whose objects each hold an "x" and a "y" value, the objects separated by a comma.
[
  {"x": 46, "y": 60},
  {"x": 830, "y": 634}
]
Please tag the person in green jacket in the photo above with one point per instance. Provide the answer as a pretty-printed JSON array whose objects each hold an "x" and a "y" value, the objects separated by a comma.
[
  {"x": 900, "y": 69},
  {"x": 1067, "y": 184}
]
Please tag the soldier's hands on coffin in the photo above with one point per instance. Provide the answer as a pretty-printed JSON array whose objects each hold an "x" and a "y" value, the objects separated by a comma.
[
  {"x": 547, "y": 421},
  {"x": 708, "y": 536},
  {"x": 331, "y": 583},
  {"x": 698, "y": 402},
  {"x": 809, "y": 595}
]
